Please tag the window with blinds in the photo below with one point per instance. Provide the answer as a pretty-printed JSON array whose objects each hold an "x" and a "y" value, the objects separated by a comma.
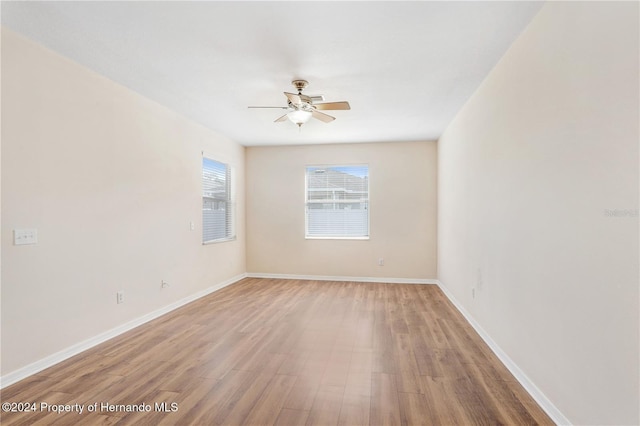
[
  {"x": 337, "y": 202},
  {"x": 217, "y": 202}
]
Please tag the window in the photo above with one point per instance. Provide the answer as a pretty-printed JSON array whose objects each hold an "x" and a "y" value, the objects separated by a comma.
[
  {"x": 217, "y": 202},
  {"x": 337, "y": 202}
]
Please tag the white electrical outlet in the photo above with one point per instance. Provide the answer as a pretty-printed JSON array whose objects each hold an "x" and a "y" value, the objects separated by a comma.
[
  {"x": 473, "y": 293},
  {"x": 164, "y": 284},
  {"x": 120, "y": 297},
  {"x": 381, "y": 262},
  {"x": 25, "y": 236}
]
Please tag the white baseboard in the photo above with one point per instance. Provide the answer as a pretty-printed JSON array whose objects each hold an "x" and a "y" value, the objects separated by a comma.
[
  {"x": 57, "y": 357},
  {"x": 520, "y": 376},
  {"x": 340, "y": 278}
]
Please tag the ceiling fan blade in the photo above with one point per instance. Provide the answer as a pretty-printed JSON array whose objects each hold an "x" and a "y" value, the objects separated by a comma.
[
  {"x": 298, "y": 98},
  {"x": 322, "y": 116},
  {"x": 283, "y": 118},
  {"x": 332, "y": 105},
  {"x": 267, "y": 107},
  {"x": 293, "y": 98}
]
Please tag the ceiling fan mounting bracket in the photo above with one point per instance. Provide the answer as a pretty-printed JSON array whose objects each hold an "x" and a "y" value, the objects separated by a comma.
[{"x": 300, "y": 85}]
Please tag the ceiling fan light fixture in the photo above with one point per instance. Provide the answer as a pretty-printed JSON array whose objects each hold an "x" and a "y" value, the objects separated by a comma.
[
  {"x": 299, "y": 116},
  {"x": 302, "y": 107}
]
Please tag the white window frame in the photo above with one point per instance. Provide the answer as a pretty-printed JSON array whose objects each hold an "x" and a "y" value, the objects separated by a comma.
[
  {"x": 229, "y": 200},
  {"x": 306, "y": 205}
]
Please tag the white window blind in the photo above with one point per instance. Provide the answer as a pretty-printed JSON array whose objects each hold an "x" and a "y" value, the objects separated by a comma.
[
  {"x": 217, "y": 202},
  {"x": 337, "y": 202}
]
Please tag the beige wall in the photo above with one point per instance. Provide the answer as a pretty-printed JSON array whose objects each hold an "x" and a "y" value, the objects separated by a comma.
[
  {"x": 527, "y": 170},
  {"x": 111, "y": 181},
  {"x": 401, "y": 175}
]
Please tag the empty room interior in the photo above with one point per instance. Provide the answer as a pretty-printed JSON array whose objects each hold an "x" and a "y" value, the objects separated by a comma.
[{"x": 320, "y": 213}]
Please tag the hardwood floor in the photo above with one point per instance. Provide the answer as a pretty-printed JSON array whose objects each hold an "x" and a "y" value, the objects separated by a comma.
[{"x": 288, "y": 352}]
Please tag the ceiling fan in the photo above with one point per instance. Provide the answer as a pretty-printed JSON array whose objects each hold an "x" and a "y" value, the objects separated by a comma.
[{"x": 302, "y": 107}]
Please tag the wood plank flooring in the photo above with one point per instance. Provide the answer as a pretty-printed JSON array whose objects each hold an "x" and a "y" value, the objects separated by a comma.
[{"x": 287, "y": 352}]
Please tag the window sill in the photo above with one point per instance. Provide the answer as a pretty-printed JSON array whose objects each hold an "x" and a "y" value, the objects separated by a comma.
[
  {"x": 221, "y": 240},
  {"x": 307, "y": 237}
]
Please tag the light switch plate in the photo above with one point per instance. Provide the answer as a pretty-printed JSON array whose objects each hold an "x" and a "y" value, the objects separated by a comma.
[{"x": 25, "y": 236}]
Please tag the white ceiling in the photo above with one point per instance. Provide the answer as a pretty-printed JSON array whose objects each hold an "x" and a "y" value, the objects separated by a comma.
[{"x": 405, "y": 67}]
